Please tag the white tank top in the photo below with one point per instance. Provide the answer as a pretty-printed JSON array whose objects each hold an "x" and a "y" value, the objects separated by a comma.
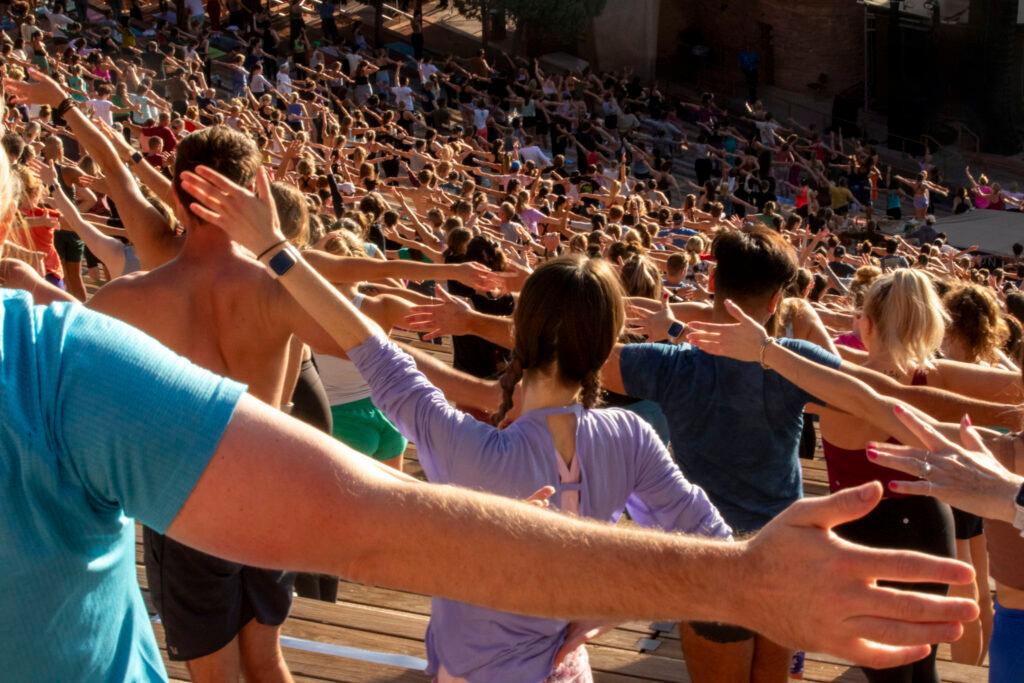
[{"x": 341, "y": 379}]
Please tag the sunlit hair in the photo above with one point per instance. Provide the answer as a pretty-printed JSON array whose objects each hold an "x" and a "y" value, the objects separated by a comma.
[
  {"x": 862, "y": 280},
  {"x": 10, "y": 191},
  {"x": 292, "y": 212},
  {"x": 342, "y": 243},
  {"x": 640, "y": 277},
  {"x": 908, "y": 318},
  {"x": 975, "y": 321}
]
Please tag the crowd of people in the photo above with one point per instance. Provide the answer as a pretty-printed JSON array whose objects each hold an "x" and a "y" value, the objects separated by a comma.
[{"x": 656, "y": 306}]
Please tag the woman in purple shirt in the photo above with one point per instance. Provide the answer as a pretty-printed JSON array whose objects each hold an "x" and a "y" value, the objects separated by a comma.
[{"x": 600, "y": 461}]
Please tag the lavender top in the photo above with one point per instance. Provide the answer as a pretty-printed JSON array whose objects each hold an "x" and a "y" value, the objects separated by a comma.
[{"x": 623, "y": 466}]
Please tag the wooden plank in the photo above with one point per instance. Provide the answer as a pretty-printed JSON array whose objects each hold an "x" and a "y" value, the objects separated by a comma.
[{"x": 319, "y": 667}]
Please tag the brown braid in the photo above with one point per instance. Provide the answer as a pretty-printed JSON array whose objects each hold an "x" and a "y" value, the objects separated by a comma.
[
  {"x": 509, "y": 379},
  {"x": 591, "y": 396}
]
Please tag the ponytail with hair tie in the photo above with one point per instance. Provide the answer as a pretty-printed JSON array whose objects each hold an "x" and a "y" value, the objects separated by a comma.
[{"x": 509, "y": 379}]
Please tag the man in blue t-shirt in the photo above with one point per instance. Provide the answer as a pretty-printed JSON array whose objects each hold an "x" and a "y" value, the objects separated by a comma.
[{"x": 735, "y": 428}]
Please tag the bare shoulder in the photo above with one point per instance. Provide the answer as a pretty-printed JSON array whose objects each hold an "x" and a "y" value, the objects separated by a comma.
[{"x": 113, "y": 297}]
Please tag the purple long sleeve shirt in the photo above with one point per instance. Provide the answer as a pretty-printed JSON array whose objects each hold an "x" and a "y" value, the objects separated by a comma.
[{"x": 623, "y": 466}]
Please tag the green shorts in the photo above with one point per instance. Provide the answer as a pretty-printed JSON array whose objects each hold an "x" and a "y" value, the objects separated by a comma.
[
  {"x": 69, "y": 247},
  {"x": 363, "y": 427}
]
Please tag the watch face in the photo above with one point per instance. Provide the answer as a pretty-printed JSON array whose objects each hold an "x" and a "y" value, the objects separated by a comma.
[
  {"x": 281, "y": 262},
  {"x": 1020, "y": 497},
  {"x": 676, "y": 329}
]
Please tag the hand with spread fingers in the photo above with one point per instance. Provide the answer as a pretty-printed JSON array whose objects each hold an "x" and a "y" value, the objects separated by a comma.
[
  {"x": 967, "y": 476},
  {"x": 450, "y": 316},
  {"x": 249, "y": 218},
  {"x": 654, "y": 325},
  {"x": 830, "y": 601},
  {"x": 40, "y": 90},
  {"x": 741, "y": 340}
]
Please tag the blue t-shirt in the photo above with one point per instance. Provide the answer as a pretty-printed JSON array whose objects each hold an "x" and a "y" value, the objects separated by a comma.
[
  {"x": 735, "y": 427},
  {"x": 100, "y": 424}
]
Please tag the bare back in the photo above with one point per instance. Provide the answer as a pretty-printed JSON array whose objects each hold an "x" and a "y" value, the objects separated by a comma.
[{"x": 216, "y": 310}]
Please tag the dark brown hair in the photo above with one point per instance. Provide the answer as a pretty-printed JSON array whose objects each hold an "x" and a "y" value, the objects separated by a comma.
[
  {"x": 752, "y": 265},
  {"x": 226, "y": 151},
  {"x": 570, "y": 312}
]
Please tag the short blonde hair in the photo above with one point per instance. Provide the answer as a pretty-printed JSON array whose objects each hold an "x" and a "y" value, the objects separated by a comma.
[{"x": 909, "y": 319}]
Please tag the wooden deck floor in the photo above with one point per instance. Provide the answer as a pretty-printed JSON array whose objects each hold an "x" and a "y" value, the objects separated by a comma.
[{"x": 347, "y": 641}]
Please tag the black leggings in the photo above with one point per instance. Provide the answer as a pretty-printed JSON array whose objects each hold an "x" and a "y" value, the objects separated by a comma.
[
  {"x": 311, "y": 406},
  {"x": 921, "y": 524}
]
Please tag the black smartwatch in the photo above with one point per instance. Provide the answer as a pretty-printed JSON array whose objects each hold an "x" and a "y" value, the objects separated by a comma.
[
  {"x": 136, "y": 157},
  {"x": 676, "y": 330},
  {"x": 283, "y": 261}
]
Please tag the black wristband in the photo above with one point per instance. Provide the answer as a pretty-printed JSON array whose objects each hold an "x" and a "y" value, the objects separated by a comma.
[
  {"x": 63, "y": 107},
  {"x": 271, "y": 248}
]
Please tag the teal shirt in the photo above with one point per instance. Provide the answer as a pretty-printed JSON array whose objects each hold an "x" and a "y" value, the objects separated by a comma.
[{"x": 100, "y": 425}]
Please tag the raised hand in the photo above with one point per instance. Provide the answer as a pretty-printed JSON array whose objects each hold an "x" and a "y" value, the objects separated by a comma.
[
  {"x": 95, "y": 183},
  {"x": 652, "y": 324},
  {"x": 966, "y": 476},
  {"x": 59, "y": 199},
  {"x": 741, "y": 340},
  {"x": 478, "y": 276},
  {"x": 249, "y": 218},
  {"x": 40, "y": 90},
  {"x": 449, "y": 317},
  {"x": 830, "y": 601},
  {"x": 46, "y": 172}
]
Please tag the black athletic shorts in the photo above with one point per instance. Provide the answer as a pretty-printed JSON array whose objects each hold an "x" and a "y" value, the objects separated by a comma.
[
  {"x": 69, "y": 246},
  {"x": 721, "y": 633},
  {"x": 966, "y": 525},
  {"x": 204, "y": 601}
]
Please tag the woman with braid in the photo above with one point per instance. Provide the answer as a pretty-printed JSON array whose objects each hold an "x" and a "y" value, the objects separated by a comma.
[{"x": 600, "y": 461}]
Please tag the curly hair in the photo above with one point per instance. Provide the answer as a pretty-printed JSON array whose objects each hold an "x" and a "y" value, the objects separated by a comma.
[{"x": 976, "y": 322}]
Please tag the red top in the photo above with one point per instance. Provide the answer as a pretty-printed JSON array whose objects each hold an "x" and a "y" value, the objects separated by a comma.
[
  {"x": 165, "y": 134},
  {"x": 42, "y": 239},
  {"x": 849, "y": 468}
]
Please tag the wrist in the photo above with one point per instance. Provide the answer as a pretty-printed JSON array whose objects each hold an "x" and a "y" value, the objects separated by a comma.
[
  {"x": 273, "y": 244},
  {"x": 768, "y": 343},
  {"x": 1012, "y": 508}
]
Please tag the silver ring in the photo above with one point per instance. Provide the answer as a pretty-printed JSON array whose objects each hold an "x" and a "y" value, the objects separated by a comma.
[{"x": 927, "y": 466}]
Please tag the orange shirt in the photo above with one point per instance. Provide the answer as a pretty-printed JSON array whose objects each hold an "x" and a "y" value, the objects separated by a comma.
[{"x": 42, "y": 239}]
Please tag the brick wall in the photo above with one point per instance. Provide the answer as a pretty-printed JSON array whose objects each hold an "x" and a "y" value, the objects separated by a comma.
[{"x": 809, "y": 37}]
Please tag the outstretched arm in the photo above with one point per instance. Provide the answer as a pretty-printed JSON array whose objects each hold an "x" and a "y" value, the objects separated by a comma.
[
  {"x": 453, "y": 316},
  {"x": 148, "y": 229},
  {"x": 748, "y": 341}
]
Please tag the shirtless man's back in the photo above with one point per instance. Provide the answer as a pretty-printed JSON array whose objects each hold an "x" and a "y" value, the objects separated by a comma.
[
  {"x": 217, "y": 306},
  {"x": 211, "y": 306}
]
